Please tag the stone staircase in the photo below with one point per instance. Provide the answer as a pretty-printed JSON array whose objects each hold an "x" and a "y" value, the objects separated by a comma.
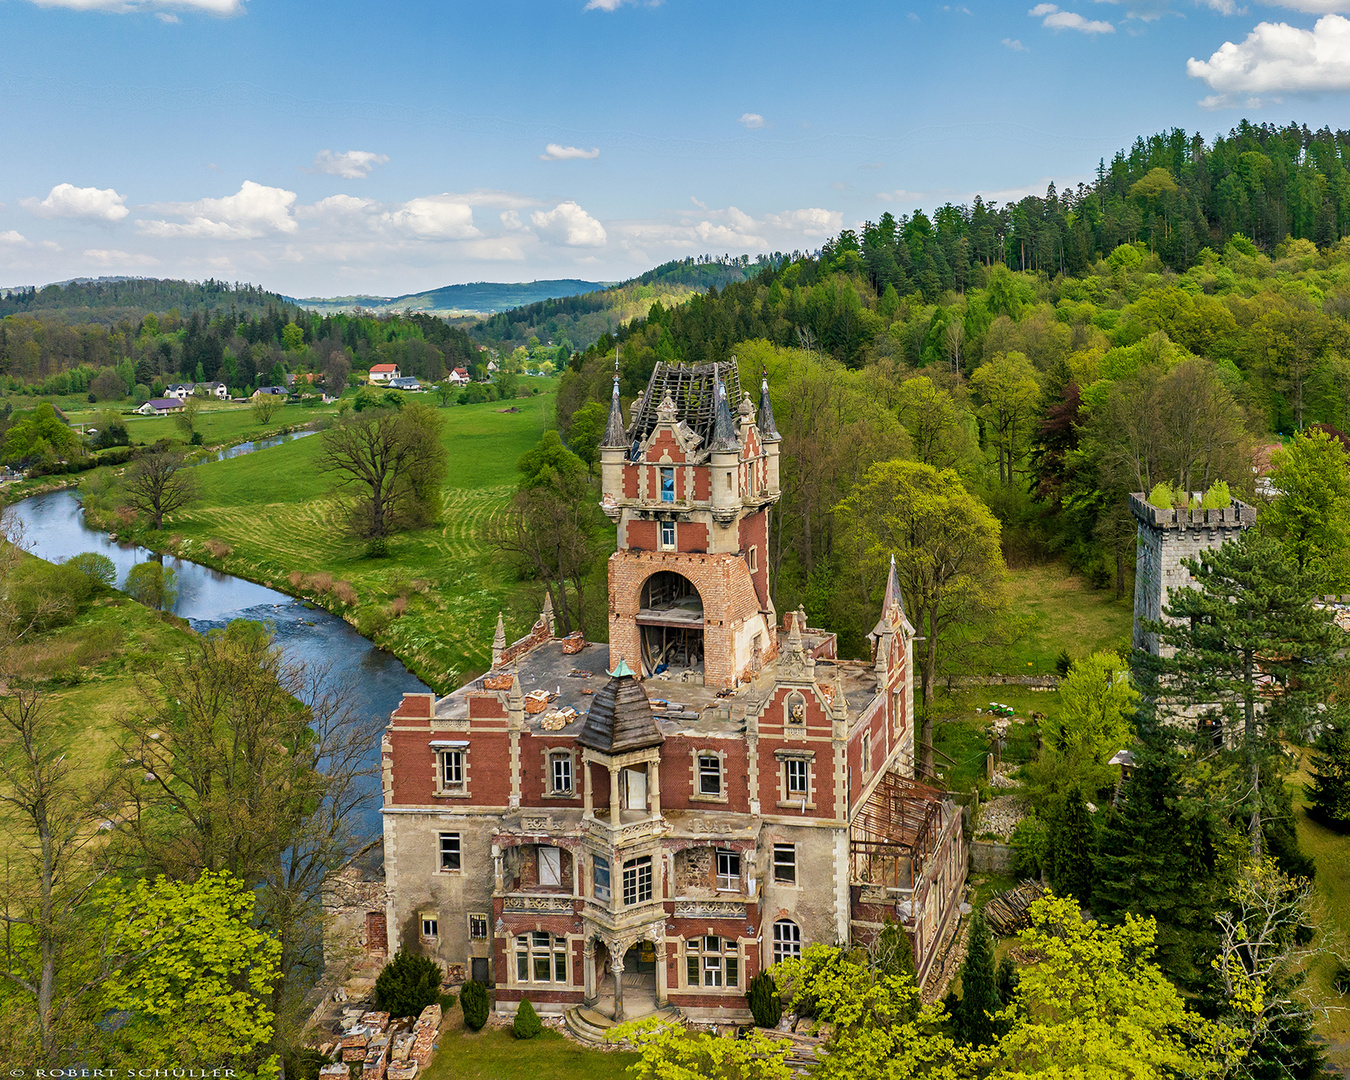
[{"x": 591, "y": 1026}]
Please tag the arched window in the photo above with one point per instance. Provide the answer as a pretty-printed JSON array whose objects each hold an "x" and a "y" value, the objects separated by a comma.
[{"x": 787, "y": 940}]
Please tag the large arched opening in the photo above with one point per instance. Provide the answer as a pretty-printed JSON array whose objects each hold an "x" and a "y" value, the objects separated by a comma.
[{"x": 670, "y": 620}]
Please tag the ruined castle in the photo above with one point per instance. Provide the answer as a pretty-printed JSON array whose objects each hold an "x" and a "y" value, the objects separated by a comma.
[{"x": 614, "y": 830}]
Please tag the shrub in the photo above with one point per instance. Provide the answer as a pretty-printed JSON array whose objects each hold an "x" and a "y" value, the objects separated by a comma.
[
  {"x": 764, "y": 1000},
  {"x": 153, "y": 585},
  {"x": 527, "y": 1024},
  {"x": 321, "y": 582},
  {"x": 295, "y": 578},
  {"x": 378, "y": 548},
  {"x": 99, "y": 569},
  {"x": 398, "y": 606},
  {"x": 1030, "y": 842},
  {"x": 408, "y": 984},
  {"x": 218, "y": 549},
  {"x": 345, "y": 593},
  {"x": 46, "y": 596},
  {"x": 1218, "y": 497},
  {"x": 473, "y": 999},
  {"x": 447, "y": 1002}
]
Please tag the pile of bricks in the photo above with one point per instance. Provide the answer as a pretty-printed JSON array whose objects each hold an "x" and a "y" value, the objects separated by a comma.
[{"x": 424, "y": 1032}]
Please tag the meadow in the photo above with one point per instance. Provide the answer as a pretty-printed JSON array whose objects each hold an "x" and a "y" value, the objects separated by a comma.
[{"x": 274, "y": 517}]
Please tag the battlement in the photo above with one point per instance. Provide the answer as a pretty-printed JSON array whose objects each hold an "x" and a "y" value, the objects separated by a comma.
[{"x": 1236, "y": 515}]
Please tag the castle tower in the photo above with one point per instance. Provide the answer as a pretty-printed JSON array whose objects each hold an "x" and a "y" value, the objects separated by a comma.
[
  {"x": 689, "y": 486},
  {"x": 1165, "y": 538}
]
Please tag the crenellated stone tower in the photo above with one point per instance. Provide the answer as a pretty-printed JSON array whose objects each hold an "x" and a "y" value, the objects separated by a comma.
[
  {"x": 1165, "y": 538},
  {"x": 689, "y": 483}
]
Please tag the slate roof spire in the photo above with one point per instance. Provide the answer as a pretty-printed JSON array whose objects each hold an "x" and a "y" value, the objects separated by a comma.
[
  {"x": 724, "y": 428},
  {"x": 768, "y": 430},
  {"x": 615, "y": 435}
]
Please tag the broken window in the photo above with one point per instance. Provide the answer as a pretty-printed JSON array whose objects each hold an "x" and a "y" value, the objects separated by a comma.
[
  {"x": 729, "y": 871},
  {"x": 709, "y": 774}
]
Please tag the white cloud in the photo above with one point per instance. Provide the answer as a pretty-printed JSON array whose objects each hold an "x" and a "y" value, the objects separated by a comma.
[
  {"x": 350, "y": 164},
  {"x": 568, "y": 224},
  {"x": 14, "y": 238},
  {"x": 1054, "y": 19},
  {"x": 556, "y": 152},
  {"x": 254, "y": 211},
  {"x": 123, "y": 7},
  {"x": 510, "y": 220},
  {"x": 751, "y": 121},
  {"x": 811, "y": 221},
  {"x": 1278, "y": 57},
  {"x": 111, "y": 257},
  {"x": 1015, "y": 45},
  {"x": 69, "y": 201},
  {"x": 435, "y": 217}
]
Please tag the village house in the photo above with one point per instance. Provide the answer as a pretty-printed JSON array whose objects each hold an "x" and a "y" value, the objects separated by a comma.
[
  {"x": 274, "y": 391},
  {"x": 161, "y": 406},
  {"x": 459, "y": 377},
  {"x": 211, "y": 389},
  {"x": 181, "y": 391},
  {"x": 383, "y": 373},
  {"x": 614, "y": 830},
  {"x": 407, "y": 383}
]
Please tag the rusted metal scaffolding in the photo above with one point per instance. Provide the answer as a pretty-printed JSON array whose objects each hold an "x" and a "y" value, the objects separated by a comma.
[
  {"x": 692, "y": 387},
  {"x": 896, "y": 829}
]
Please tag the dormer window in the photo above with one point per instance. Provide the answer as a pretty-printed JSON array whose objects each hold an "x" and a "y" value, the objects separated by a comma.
[{"x": 667, "y": 484}]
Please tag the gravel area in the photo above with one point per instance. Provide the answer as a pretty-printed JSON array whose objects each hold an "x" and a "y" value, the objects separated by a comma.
[{"x": 1000, "y": 816}]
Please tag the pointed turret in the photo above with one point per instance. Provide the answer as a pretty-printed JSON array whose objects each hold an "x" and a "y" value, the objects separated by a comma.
[
  {"x": 620, "y": 718},
  {"x": 547, "y": 615},
  {"x": 892, "y": 608},
  {"x": 768, "y": 430},
  {"x": 498, "y": 641},
  {"x": 724, "y": 427},
  {"x": 615, "y": 433},
  {"x": 838, "y": 703}
]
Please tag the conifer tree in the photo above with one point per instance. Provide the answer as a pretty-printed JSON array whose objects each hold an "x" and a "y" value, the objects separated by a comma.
[
  {"x": 1249, "y": 645},
  {"x": 1329, "y": 792},
  {"x": 1072, "y": 844},
  {"x": 980, "y": 1001}
]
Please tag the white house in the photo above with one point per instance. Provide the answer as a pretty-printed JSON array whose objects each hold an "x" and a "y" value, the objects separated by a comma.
[
  {"x": 407, "y": 383},
  {"x": 181, "y": 391},
  {"x": 383, "y": 373},
  {"x": 212, "y": 389},
  {"x": 459, "y": 377},
  {"x": 161, "y": 406}
]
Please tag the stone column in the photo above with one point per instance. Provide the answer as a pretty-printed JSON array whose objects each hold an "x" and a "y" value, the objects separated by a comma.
[
  {"x": 616, "y": 966},
  {"x": 659, "y": 943},
  {"x": 591, "y": 992},
  {"x": 587, "y": 790},
  {"x": 614, "y": 819},
  {"x": 654, "y": 788}
]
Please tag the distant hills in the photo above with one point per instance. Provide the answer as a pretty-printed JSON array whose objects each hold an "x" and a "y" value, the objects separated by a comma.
[
  {"x": 476, "y": 298},
  {"x": 108, "y": 300}
]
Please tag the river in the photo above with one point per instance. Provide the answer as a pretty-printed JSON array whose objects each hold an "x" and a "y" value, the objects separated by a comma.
[{"x": 54, "y": 529}]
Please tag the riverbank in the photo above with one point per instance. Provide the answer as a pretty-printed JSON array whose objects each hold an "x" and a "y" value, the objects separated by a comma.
[{"x": 274, "y": 519}]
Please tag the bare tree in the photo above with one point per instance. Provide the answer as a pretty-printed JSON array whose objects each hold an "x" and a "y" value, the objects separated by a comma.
[{"x": 159, "y": 484}]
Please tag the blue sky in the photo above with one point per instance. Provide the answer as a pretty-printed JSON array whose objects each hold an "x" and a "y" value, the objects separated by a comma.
[{"x": 322, "y": 149}]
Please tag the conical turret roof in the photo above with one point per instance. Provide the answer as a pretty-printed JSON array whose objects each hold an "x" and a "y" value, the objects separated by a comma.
[
  {"x": 620, "y": 718},
  {"x": 768, "y": 430},
  {"x": 724, "y": 427},
  {"x": 615, "y": 433}
]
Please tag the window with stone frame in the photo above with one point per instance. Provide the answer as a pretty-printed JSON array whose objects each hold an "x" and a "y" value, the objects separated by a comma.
[
  {"x": 452, "y": 771},
  {"x": 560, "y": 773},
  {"x": 710, "y": 781},
  {"x": 785, "y": 864},
  {"x": 637, "y": 881},
  {"x": 787, "y": 940},
  {"x": 600, "y": 878},
  {"x": 712, "y": 962},
  {"x": 667, "y": 484},
  {"x": 430, "y": 925},
  {"x": 867, "y": 754},
  {"x": 541, "y": 958},
  {"x": 478, "y": 926},
  {"x": 667, "y": 536},
  {"x": 449, "y": 851},
  {"x": 796, "y": 778},
  {"x": 752, "y": 558},
  {"x": 728, "y": 870}
]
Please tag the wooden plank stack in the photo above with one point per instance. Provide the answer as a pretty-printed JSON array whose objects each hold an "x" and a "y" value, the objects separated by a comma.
[{"x": 1006, "y": 913}]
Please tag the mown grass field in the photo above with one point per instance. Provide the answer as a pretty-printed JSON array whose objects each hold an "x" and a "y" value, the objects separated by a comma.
[
  {"x": 279, "y": 516},
  {"x": 1332, "y": 885}
]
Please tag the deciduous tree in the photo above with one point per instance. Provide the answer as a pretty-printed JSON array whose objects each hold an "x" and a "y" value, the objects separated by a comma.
[
  {"x": 159, "y": 484},
  {"x": 1310, "y": 515},
  {"x": 946, "y": 548},
  {"x": 1010, "y": 392}
]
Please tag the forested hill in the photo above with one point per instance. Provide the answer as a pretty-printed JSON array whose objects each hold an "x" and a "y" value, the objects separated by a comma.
[
  {"x": 107, "y": 301},
  {"x": 482, "y": 297},
  {"x": 581, "y": 319},
  {"x": 1059, "y": 353}
]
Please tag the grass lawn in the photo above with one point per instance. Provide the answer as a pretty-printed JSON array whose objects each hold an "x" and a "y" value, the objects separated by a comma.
[
  {"x": 220, "y": 422},
  {"x": 278, "y": 516},
  {"x": 960, "y": 734},
  {"x": 495, "y": 1054},
  {"x": 1059, "y": 611},
  {"x": 1332, "y": 884}
]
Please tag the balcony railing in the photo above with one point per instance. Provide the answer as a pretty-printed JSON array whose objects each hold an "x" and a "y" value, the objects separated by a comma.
[{"x": 539, "y": 903}]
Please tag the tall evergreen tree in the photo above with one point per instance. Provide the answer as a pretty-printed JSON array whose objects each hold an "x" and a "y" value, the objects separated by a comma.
[
  {"x": 1072, "y": 844},
  {"x": 1249, "y": 646},
  {"x": 1329, "y": 792},
  {"x": 980, "y": 1001}
]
